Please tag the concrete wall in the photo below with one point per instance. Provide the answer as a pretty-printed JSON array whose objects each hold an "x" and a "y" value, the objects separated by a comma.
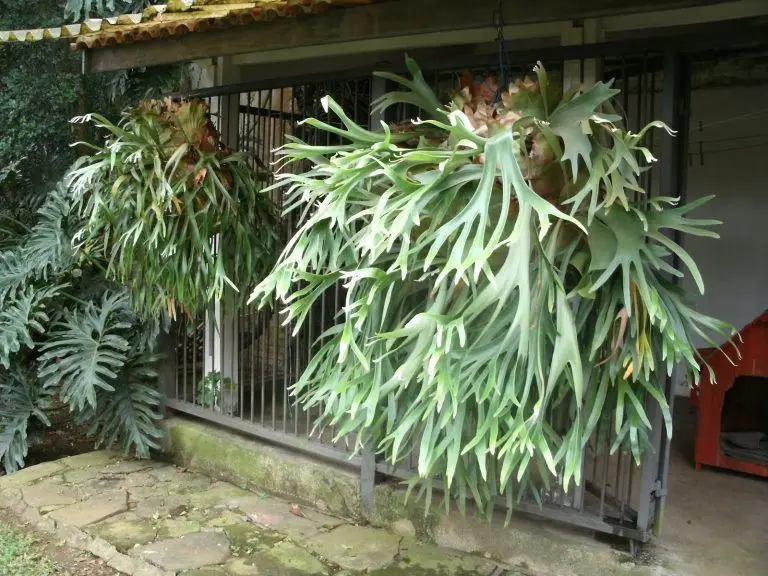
[{"x": 732, "y": 162}]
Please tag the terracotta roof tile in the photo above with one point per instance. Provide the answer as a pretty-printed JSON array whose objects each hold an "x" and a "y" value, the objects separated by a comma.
[{"x": 177, "y": 17}]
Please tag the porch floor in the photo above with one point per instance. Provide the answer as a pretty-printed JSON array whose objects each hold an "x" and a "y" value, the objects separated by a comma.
[{"x": 716, "y": 521}]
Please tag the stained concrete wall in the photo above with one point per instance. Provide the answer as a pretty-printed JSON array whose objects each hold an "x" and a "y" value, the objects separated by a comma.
[{"x": 728, "y": 158}]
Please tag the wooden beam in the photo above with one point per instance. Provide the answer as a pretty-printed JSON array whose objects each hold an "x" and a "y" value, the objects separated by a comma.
[{"x": 393, "y": 19}]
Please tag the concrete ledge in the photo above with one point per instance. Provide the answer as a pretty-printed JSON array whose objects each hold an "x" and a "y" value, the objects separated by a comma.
[{"x": 257, "y": 466}]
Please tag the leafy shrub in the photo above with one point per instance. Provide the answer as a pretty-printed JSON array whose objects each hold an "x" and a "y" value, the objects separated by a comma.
[{"x": 68, "y": 335}]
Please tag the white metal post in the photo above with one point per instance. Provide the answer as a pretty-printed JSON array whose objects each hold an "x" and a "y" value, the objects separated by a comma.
[{"x": 221, "y": 326}]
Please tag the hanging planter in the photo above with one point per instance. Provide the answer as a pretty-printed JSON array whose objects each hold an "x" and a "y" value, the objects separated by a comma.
[
  {"x": 176, "y": 215},
  {"x": 507, "y": 297}
]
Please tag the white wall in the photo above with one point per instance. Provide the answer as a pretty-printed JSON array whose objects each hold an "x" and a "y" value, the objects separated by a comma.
[{"x": 732, "y": 163}]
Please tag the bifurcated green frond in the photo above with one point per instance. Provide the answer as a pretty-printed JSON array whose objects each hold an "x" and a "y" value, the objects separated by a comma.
[
  {"x": 507, "y": 295},
  {"x": 14, "y": 273},
  {"x": 128, "y": 416},
  {"x": 86, "y": 350},
  {"x": 21, "y": 398}
]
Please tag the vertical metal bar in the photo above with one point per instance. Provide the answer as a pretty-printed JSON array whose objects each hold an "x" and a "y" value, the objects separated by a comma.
[
  {"x": 194, "y": 363},
  {"x": 253, "y": 318},
  {"x": 632, "y": 470},
  {"x": 625, "y": 89},
  {"x": 285, "y": 378},
  {"x": 606, "y": 458},
  {"x": 619, "y": 490},
  {"x": 240, "y": 368},
  {"x": 186, "y": 398},
  {"x": 233, "y": 344},
  {"x": 651, "y": 114},
  {"x": 309, "y": 358},
  {"x": 297, "y": 345},
  {"x": 176, "y": 364},
  {"x": 263, "y": 352},
  {"x": 367, "y": 479},
  {"x": 675, "y": 110}
]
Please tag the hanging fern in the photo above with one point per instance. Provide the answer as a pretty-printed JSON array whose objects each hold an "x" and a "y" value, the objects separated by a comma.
[
  {"x": 174, "y": 213},
  {"x": 505, "y": 293}
]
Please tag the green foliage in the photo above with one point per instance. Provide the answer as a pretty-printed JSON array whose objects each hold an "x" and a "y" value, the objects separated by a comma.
[
  {"x": 505, "y": 293},
  {"x": 79, "y": 10},
  {"x": 128, "y": 415},
  {"x": 69, "y": 335},
  {"x": 209, "y": 392},
  {"x": 86, "y": 350},
  {"x": 22, "y": 398},
  {"x": 21, "y": 555},
  {"x": 172, "y": 211}
]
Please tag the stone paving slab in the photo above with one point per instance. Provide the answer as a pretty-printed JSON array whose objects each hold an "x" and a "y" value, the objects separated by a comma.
[{"x": 154, "y": 519}]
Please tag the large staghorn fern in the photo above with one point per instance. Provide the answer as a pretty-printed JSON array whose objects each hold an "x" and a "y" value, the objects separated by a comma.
[{"x": 507, "y": 295}]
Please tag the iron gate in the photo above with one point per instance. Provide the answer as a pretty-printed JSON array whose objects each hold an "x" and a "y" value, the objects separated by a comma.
[{"x": 253, "y": 360}]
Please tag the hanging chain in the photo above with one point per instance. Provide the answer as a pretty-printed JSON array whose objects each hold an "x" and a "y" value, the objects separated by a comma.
[{"x": 504, "y": 63}]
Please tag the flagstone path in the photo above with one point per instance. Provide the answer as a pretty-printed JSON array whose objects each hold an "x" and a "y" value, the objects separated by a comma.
[{"x": 148, "y": 518}]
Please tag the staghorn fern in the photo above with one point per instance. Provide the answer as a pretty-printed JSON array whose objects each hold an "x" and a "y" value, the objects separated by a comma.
[
  {"x": 174, "y": 213},
  {"x": 505, "y": 293}
]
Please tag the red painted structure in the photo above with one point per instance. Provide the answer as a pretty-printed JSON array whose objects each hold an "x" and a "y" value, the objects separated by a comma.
[{"x": 710, "y": 399}]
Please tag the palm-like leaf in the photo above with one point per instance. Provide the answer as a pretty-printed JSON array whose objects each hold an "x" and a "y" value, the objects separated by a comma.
[
  {"x": 504, "y": 294},
  {"x": 20, "y": 319},
  {"x": 48, "y": 246},
  {"x": 86, "y": 350},
  {"x": 21, "y": 398},
  {"x": 129, "y": 415}
]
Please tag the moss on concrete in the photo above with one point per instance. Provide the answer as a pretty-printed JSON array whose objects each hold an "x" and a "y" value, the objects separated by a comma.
[
  {"x": 125, "y": 534},
  {"x": 254, "y": 465},
  {"x": 248, "y": 539},
  {"x": 176, "y": 527}
]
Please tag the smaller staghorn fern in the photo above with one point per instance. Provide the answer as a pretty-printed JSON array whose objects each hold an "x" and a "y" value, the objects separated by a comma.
[
  {"x": 506, "y": 295},
  {"x": 173, "y": 212}
]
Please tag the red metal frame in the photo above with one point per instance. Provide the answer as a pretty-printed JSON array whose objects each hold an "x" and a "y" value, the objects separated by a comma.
[{"x": 710, "y": 398}]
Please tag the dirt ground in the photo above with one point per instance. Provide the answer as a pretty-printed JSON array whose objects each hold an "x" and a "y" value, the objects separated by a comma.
[{"x": 49, "y": 557}]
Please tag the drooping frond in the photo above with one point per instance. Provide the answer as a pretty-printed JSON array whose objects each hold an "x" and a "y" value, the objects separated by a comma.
[{"x": 174, "y": 213}]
